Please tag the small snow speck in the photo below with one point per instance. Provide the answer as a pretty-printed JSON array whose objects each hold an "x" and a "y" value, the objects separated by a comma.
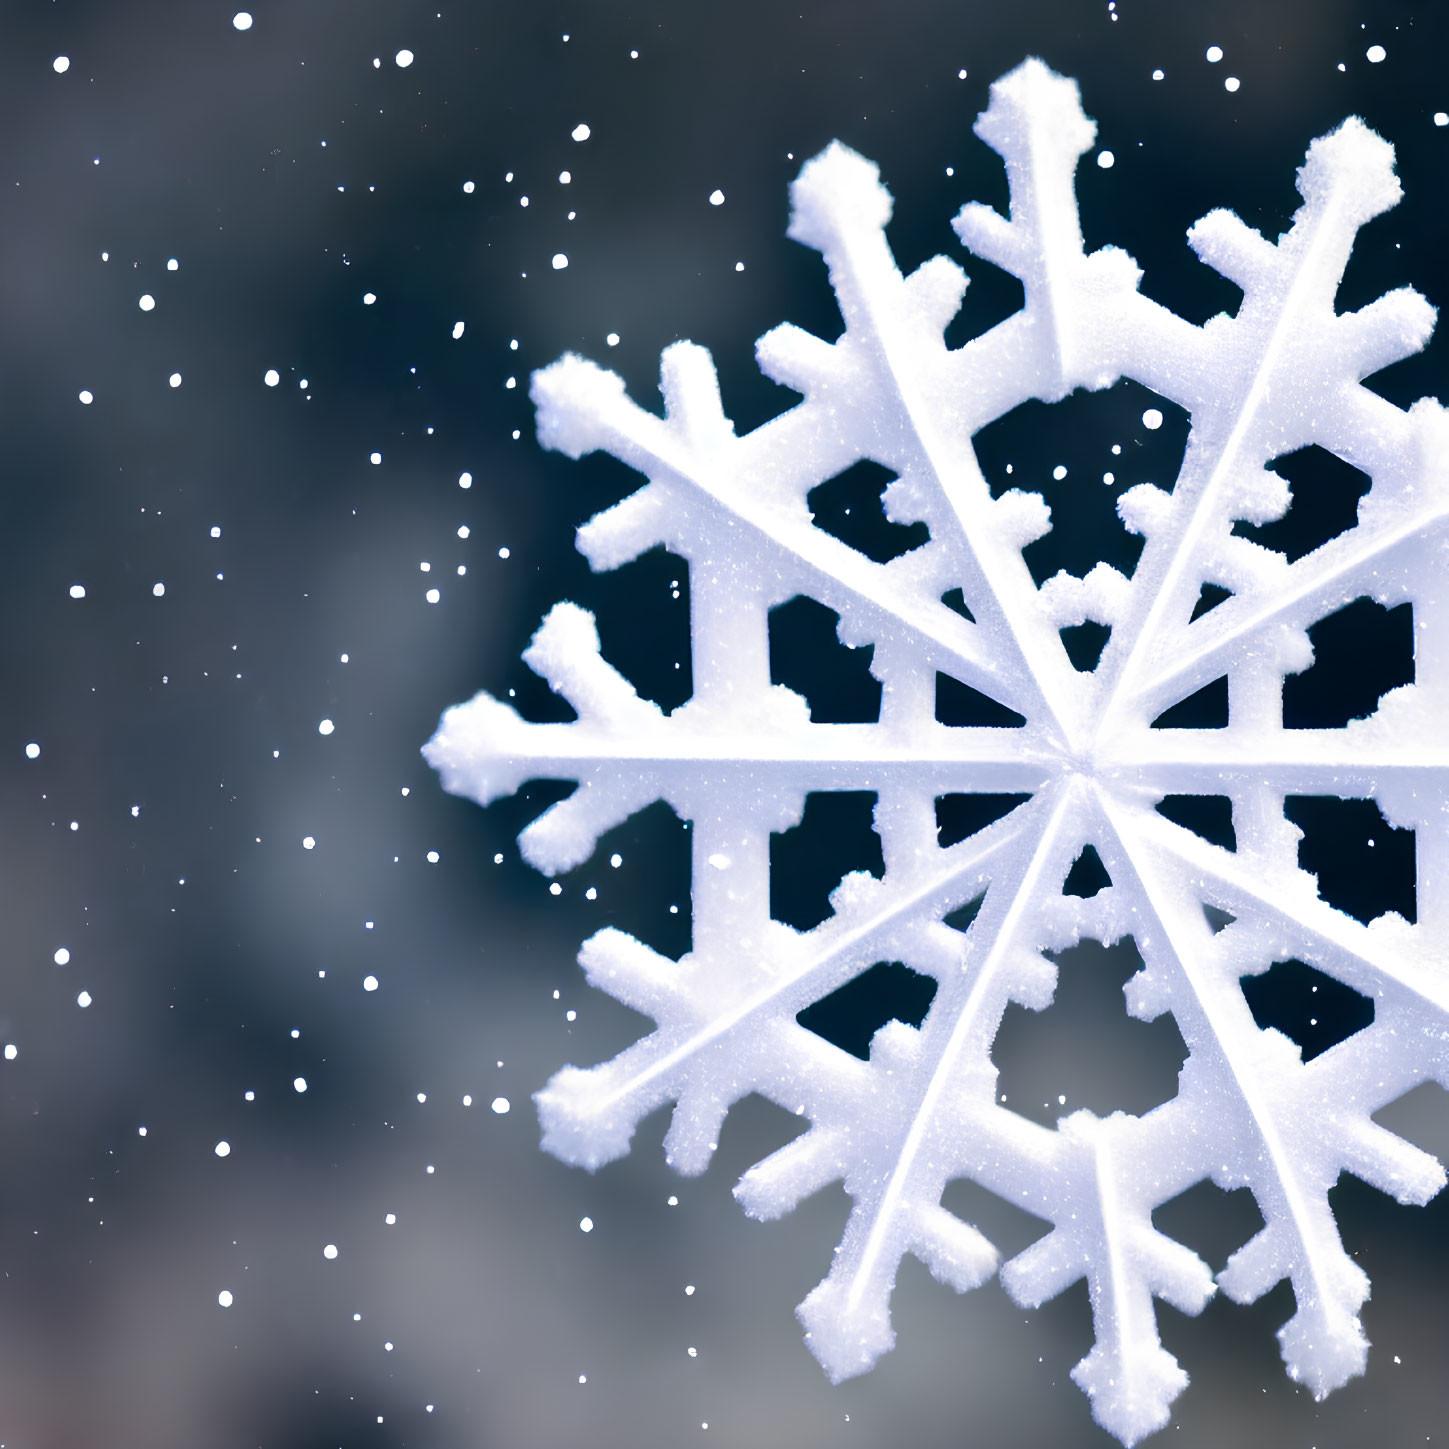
[
  {"x": 1375, "y": 53},
  {"x": 158, "y": 590},
  {"x": 172, "y": 265},
  {"x": 147, "y": 302},
  {"x": 86, "y": 396},
  {"x": 465, "y": 480},
  {"x": 564, "y": 177},
  {"x": 1106, "y": 160},
  {"x": 581, "y": 132},
  {"x": 11, "y": 1051},
  {"x": 369, "y": 983},
  {"x": 468, "y": 188},
  {"x": 60, "y": 64},
  {"x": 404, "y": 58},
  {"x": 224, "y": 1298},
  {"x": 1159, "y": 75},
  {"x": 612, "y": 339},
  {"x": 222, "y": 1149},
  {"x": 1059, "y": 472},
  {"x": 77, "y": 591},
  {"x": 1231, "y": 83},
  {"x": 325, "y": 727},
  {"x": 83, "y": 1000},
  {"x": 1441, "y": 118},
  {"x": 716, "y": 197},
  {"x": 555, "y": 889},
  {"x": 32, "y": 752},
  {"x": 330, "y": 1251},
  {"x": 433, "y": 857},
  {"x": 299, "y": 1084},
  {"x": 174, "y": 379},
  {"x": 560, "y": 261},
  {"x": 432, "y": 596},
  {"x": 271, "y": 377},
  {"x": 501, "y": 1106},
  {"x": 242, "y": 20},
  {"x": 503, "y": 552},
  {"x": 1214, "y": 54},
  {"x": 374, "y": 458},
  {"x": 457, "y": 330},
  {"x": 309, "y": 842},
  {"x": 1152, "y": 420},
  {"x": 586, "y": 1225},
  {"x": 368, "y": 298}
]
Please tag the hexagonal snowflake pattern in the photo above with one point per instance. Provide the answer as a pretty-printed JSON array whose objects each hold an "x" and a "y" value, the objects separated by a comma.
[{"x": 1093, "y": 757}]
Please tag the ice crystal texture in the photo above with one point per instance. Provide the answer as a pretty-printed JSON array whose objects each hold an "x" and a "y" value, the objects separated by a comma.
[{"x": 737, "y": 760}]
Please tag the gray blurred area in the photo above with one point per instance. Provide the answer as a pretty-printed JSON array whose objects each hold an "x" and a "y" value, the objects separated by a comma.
[{"x": 180, "y": 732}]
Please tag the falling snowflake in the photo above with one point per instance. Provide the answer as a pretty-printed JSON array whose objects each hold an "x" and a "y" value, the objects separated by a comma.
[{"x": 737, "y": 760}]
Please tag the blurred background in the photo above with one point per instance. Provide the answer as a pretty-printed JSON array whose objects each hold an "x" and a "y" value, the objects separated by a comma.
[{"x": 270, "y": 295}]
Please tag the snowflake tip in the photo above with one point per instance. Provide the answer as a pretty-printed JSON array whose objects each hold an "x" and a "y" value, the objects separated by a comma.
[
  {"x": 575, "y": 398},
  {"x": 1355, "y": 164},
  {"x": 1033, "y": 97},
  {"x": 836, "y": 190}
]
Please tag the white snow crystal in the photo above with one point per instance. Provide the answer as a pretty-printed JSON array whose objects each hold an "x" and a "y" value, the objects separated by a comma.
[{"x": 737, "y": 760}]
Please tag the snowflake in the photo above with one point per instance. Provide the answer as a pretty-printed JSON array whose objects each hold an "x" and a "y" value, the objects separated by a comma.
[{"x": 737, "y": 760}]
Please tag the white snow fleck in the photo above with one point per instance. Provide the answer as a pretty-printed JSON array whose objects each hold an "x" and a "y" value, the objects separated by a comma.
[
  {"x": 172, "y": 265},
  {"x": 716, "y": 197},
  {"x": 222, "y": 1149},
  {"x": 1375, "y": 53},
  {"x": 242, "y": 20},
  {"x": 1214, "y": 54},
  {"x": 325, "y": 727},
  {"x": 299, "y": 1084},
  {"x": 330, "y": 1251},
  {"x": 368, "y": 298},
  {"x": 586, "y": 1225},
  {"x": 84, "y": 999},
  {"x": 457, "y": 330},
  {"x": 501, "y": 1105},
  {"x": 374, "y": 458},
  {"x": 580, "y": 132},
  {"x": 369, "y": 983},
  {"x": 86, "y": 396},
  {"x": 174, "y": 379},
  {"x": 560, "y": 261},
  {"x": 147, "y": 302},
  {"x": 465, "y": 480},
  {"x": 1158, "y": 75},
  {"x": 404, "y": 59},
  {"x": 1441, "y": 118},
  {"x": 468, "y": 188},
  {"x": 433, "y": 857},
  {"x": 612, "y": 339},
  {"x": 32, "y": 752},
  {"x": 158, "y": 590},
  {"x": 1231, "y": 83},
  {"x": 1152, "y": 419},
  {"x": 60, "y": 64},
  {"x": 309, "y": 842},
  {"x": 271, "y": 377},
  {"x": 432, "y": 596},
  {"x": 1106, "y": 160},
  {"x": 77, "y": 591},
  {"x": 224, "y": 1298}
]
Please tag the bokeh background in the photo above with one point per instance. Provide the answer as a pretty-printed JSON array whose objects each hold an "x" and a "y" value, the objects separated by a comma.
[{"x": 189, "y": 853}]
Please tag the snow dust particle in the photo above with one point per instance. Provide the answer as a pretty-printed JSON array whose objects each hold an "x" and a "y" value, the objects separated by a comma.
[
  {"x": 308, "y": 842},
  {"x": 564, "y": 177},
  {"x": 147, "y": 302},
  {"x": 616, "y": 860},
  {"x": 222, "y": 1149},
  {"x": 11, "y": 1051},
  {"x": 1152, "y": 420},
  {"x": 174, "y": 379},
  {"x": 689, "y": 1290},
  {"x": 242, "y": 20},
  {"x": 158, "y": 590},
  {"x": 1159, "y": 75},
  {"x": 1214, "y": 54},
  {"x": 172, "y": 265},
  {"x": 501, "y": 1106},
  {"x": 716, "y": 197},
  {"x": 77, "y": 591},
  {"x": 390, "y": 1219},
  {"x": 369, "y": 983},
  {"x": 404, "y": 59},
  {"x": 86, "y": 396},
  {"x": 581, "y": 132},
  {"x": 330, "y": 1251},
  {"x": 215, "y": 531},
  {"x": 32, "y": 752},
  {"x": 325, "y": 727},
  {"x": 503, "y": 552},
  {"x": 468, "y": 188},
  {"x": 432, "y": 596},
  {"x": 299, "y": 1084},
  {"x": 960, "y": 75},
  {"x": 465, "y": 480},
  {"x": 586, "y": 1225},
  {"x": 1441, "y": 118},
  {"x": 457, "y": 330},
  {"x": 271, "y": 377},
  {"x": 83, "y": 1000},
  {"x": 1375, "y": 53},
  {"x": 368, "y": 298},
  {"x": 1059, "y": 472},
  {"x": 612, "y": 339},
  {"x": 463, "y": 531},
  {"x": 374, "y": 458},
  {"x": 560, "y": 261},
  {"x": 433, "y": 857},
  {"x": 1232, "y": 83},
  {"x": 1106, "y": 160},
  {"x": 60, "y": 64},
  {"x": 224, "y": 1298}
]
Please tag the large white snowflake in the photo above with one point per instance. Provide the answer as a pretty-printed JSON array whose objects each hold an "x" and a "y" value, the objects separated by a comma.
[{"x": 737, "y": 760}]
